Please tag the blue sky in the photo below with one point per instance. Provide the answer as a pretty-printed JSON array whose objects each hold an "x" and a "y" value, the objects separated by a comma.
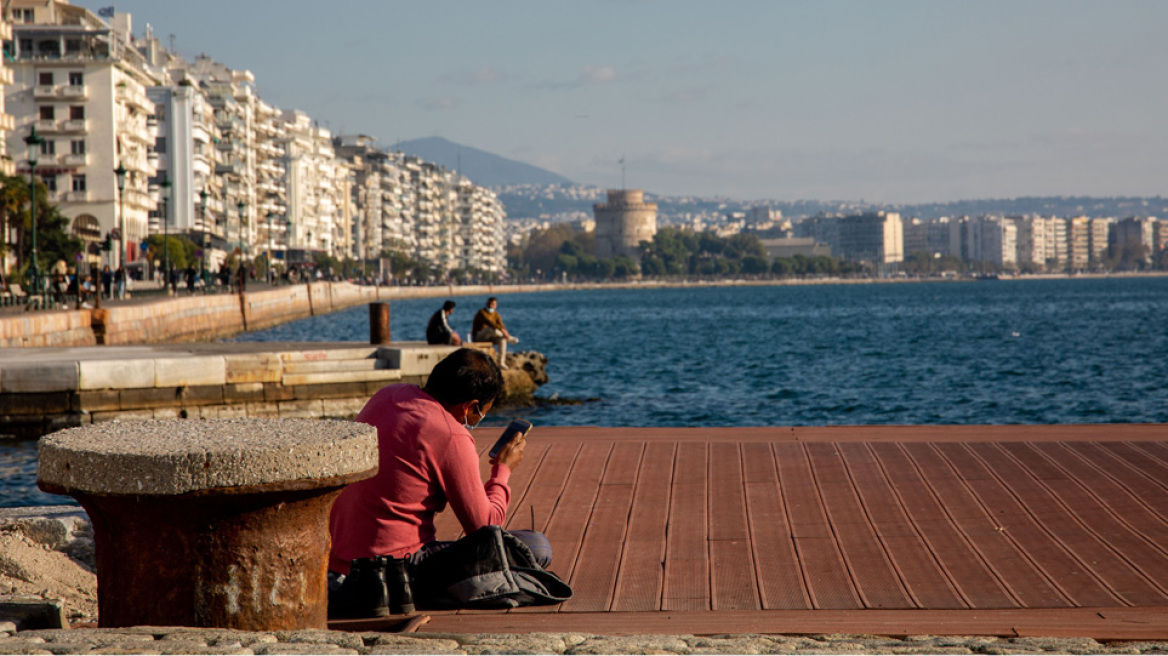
[{"x": 896, "y": 101}]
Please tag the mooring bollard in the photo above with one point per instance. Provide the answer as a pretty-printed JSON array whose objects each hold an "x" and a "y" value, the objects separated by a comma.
[
  {"x": 215, "y": 523},
  {"x": 379, "y": 323}
]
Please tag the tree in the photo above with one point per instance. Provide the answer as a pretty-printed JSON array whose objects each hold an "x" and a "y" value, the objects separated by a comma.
[{"x": 179, "y": 249}]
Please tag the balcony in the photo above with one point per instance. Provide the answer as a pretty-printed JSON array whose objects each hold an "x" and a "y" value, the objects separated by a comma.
[
  {"x": 75, "y": 125},
  {"x": 74, "y": 92},
  {"x": 7, "y": 123},
  {"x": 44, "y": 92},
  {"x": 72, "y": 159},
  {"x": 74, "y": 196},
  {"x": 134, "y": 98}
]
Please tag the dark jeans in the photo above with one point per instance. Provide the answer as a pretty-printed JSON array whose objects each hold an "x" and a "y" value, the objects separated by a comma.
[{"x": 536, "y": 541}]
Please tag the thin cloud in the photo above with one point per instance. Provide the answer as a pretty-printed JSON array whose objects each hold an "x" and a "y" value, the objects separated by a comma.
[
  {"x": 597, "y": 74},
  {"x": 478, "y": 77}
]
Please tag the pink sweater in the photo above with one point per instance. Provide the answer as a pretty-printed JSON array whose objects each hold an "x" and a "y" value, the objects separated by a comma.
[{"x": 425, "y": 459}]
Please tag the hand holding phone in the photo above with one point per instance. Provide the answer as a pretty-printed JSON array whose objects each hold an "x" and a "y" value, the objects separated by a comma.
[{"x": 516, "y": 428}]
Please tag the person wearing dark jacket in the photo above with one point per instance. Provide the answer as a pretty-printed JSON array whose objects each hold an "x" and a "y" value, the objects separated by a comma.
[{"x": 438, "y": 330}]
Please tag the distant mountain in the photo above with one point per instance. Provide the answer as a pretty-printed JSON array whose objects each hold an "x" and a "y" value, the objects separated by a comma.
[{"x": 482, "y": 168}]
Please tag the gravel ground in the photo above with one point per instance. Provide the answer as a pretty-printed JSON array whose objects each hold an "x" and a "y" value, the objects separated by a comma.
[{"x": 179, "y": 640}]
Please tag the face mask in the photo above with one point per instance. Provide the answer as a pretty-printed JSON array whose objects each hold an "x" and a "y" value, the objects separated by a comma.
[
  {"x": 490, "y": 309},
  {"x": 471, "y": 427}
]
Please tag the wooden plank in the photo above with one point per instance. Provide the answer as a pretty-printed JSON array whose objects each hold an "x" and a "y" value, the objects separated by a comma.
[
  {"x": 572, "y": 512},
  {"x": 1118, "y": 623},
  {"x": 975, "y": 582},
  {"x": 546, "y": 486},
  {"x": 915, "y": 565},
  {"x": 1146, "y": 490},
  {"x": 1141, "y": 567},
  {"x": 872, "y": 571},
  {"x": 594, "y": 578},
  {"x": 641, "y": 574},
  {"x": 1052, "y": 514},
  {"x": 687, "y": 578},
  {"x": 732, "y": 581},
  {"x": 1016, "y": 521},
  {"x": 1139, "y": 461},
  {"x": 1010, "y": 564},
  {"x": 1130, "y": 509},
  {"x": 828, "y": 583},
  {"x": 779, "y": 574}
]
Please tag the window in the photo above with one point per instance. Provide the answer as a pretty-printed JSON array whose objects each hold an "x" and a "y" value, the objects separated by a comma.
[
  {"x": 48, "y": 147},
  {"x": 50, "y": 182},
  {"x": 77, "y": 147},
  {"x": 160, "y": 112},
  {"x": 77, "y": 113},
  {"x": 26, "y": 47},
  {"x": 47, "y": 113},
  {"x": 76, "y": 80},
  {"x": 72, "y": 46},
  {"x": 23, "y": 16},
  {"x": 45, "y": 79},
  {"x": 78, "y": 182},
  {"x": 160, "y": 145}
]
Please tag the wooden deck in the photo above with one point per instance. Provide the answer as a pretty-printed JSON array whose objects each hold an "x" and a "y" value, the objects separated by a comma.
[{"x": 996, "y": 530}]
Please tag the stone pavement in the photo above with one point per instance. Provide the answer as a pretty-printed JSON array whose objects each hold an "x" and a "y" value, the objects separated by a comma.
[{"x": 178, "y": 640}]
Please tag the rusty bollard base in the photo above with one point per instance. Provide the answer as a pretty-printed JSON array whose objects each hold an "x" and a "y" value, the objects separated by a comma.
[{"x": 216, "y": 523}]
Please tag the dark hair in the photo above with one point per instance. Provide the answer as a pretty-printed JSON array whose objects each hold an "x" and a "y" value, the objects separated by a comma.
[
  {"x": 491, "y": 298},
  {"x": 465, "y": 375},
  {"x": 448, "y": 305}
]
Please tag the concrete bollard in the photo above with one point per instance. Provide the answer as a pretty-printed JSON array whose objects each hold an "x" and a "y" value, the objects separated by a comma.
[
  {"x": 216, "y": 523},
  {"x": 379, "y": 323}
]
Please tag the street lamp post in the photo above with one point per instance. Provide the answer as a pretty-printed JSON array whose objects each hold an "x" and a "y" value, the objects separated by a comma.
[
  {"x": 203, "y": 213},
  {"x": 34, "y": 151},
  {"x": 271, "y": 272},
  {"x": 242, "y": 207},
  {"x": 122, "y": 255},
  {"x": 165, "y": 184}
]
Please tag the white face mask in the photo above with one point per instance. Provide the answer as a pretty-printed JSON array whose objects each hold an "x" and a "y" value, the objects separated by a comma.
[
  {"x": 490, "y": 309},
  {"x": 470, "y": 427}
]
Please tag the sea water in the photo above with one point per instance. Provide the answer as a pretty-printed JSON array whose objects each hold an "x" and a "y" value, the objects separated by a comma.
[{"x": 989, "y": 352}]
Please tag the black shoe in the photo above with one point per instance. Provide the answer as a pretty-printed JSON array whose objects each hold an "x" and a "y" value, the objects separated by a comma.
[
  {"x": 401, "y": 596},
  {"x": 363, "y": 593}
]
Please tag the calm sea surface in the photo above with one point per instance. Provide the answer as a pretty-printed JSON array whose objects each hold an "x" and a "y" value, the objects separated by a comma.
[{"x": 995, "y": 352}]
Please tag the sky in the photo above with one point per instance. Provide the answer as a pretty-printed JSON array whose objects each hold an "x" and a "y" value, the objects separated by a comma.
[{"x": 895, "y": 101}]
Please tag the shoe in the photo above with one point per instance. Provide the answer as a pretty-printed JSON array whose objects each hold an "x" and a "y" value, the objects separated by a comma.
[
  {"x": 513, "y": 340},
  {"x": 363, "y": 593}
]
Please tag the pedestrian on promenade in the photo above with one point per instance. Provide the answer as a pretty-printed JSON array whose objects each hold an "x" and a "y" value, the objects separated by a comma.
[
  {"x": 438, "y": 331},
  {"x": 241, "y": 279},
  {"x": 120, "y": 282},
  {"x": 427, "y": 460},
  {"x": 190, "y": 275},
  {"x": 107, "y": 282},
  {"x": 488, "y": 327}
]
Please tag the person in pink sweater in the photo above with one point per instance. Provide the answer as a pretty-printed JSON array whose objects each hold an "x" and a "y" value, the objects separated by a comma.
[{"x": 426, "y": 461}]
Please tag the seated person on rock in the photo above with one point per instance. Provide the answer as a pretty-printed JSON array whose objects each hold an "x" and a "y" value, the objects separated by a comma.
[
  {"x": 426, "y": 460},
  {"x": 438, "y": 330},
  {"x": 488, "y": 327}
]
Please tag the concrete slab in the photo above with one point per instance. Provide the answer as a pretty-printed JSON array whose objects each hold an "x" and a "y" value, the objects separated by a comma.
[
  {"x": 189, "y": 372},
  {"x": 116, "y": 374},
  {"x": 41, "y": 377},
  {"x": 294, "y": 380},
  {"x": 414, "y": 360},
  {"x": 253, "y": 368}
]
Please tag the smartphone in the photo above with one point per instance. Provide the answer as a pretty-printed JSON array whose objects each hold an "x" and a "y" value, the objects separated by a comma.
[{"x": 516, "y": 428}]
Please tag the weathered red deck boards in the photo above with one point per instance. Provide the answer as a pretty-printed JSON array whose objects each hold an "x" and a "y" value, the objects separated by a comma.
[{"x": 997, "y": 530}]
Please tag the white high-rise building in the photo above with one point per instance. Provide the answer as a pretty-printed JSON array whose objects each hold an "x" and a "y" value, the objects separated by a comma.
[{"x": 77, "y": 80}]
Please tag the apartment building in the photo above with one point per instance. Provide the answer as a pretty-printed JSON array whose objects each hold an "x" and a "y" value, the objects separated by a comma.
[
  {"x": 876, "y": 237},
  {"x": 7, "y": 157},
  {"x": 79, "y": 83},
  {"x": 927, "y": 236},
  {"x": 271, "y": 181},
  {"x": 480, "y": 226},
  {"x": 989, "y": 239},
  {"x": 318, "y": 187},
  {"x": 1136, "y": 231},
  {"x": 1098, "y": 237},
  {"x": 1078, "y": 243}
]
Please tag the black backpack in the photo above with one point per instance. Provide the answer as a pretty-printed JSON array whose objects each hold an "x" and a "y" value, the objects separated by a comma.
[{"x": 489, "y": 568}]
